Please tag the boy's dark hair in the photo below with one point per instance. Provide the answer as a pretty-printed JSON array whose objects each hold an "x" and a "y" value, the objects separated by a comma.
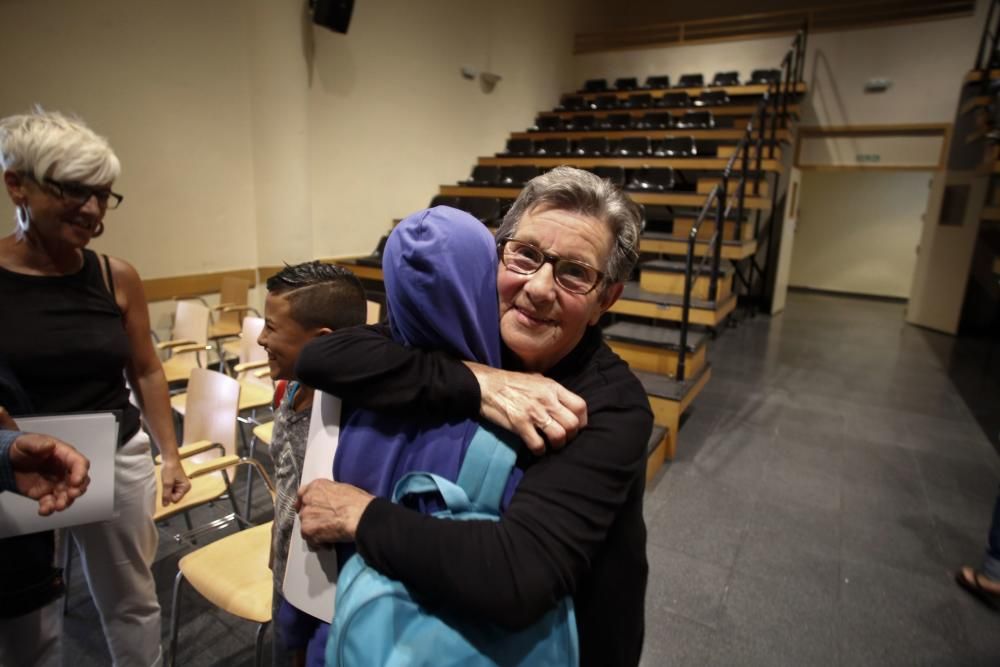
[{"x": 321, "y": 295}]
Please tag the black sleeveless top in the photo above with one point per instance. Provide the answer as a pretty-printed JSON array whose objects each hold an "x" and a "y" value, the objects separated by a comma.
[{"x": 64, "y": 338}]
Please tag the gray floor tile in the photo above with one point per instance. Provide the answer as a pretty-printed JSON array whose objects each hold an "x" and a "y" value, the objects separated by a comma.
[
  {"x": 687, "y": 587},
  {"x": 674, "y": 640}
]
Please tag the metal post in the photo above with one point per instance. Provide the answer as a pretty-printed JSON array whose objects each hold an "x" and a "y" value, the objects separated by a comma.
[
  {"x": 720, "y": 220},
  {"x": 802, "y": 58},
  {"x": 982, "y": 39}
]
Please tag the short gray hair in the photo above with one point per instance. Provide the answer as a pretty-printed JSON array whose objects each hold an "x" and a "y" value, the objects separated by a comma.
[
  {"x": 578, "y": 191},
  {"x": 48, "y": 144}
]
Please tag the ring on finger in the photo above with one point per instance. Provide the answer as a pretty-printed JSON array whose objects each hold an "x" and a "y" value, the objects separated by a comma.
[{"x": 548, "y": 422}]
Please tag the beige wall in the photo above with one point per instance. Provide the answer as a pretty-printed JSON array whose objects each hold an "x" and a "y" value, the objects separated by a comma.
[
  {"x": 241, "y": 126},
  {"x": 858, "y": 232}
]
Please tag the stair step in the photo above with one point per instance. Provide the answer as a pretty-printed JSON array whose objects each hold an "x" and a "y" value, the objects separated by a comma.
[
  {"x": 671, "y": 266},
  {"x": 657, "y": 385},
  {"x": 655, "y": 438},
  {"x": 634, "y": 292},
  {"x": 667, "y": 338}
]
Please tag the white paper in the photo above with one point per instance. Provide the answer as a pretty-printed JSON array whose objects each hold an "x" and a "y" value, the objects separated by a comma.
[
  {"x": 311, "y": 576},
  {"x": 95, "y": 435}
]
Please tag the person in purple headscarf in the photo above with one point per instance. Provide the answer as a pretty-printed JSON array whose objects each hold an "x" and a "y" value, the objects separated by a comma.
[{"x": 440, "y": 280}]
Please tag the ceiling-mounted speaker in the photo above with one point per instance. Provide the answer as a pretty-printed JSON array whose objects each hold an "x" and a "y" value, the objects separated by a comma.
[{"x": 333, "y": 14}]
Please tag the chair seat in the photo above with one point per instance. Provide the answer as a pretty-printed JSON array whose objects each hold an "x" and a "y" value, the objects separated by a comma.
[
  {"x": 224, "y": 330},
  {"x": 203, "y": 490},
  {"x": 264, "y": 432},
  {"x": 232, "y": 573},
  {"x": 178, "y": 369}
]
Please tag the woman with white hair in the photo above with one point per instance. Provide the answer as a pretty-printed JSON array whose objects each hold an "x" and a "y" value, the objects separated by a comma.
[{"x": 76, "y": 325}]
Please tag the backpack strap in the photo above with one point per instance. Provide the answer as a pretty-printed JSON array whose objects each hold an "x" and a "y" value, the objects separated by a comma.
[{"x": 486, "y": 468}]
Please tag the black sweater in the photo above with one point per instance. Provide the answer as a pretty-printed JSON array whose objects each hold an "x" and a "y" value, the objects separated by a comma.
[{"x": 575, "y": 524}]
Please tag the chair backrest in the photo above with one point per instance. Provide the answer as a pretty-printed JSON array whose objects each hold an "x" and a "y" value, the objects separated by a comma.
[
  {"x": 190, "y": 321},
  {"x": 633, "y": 146},
  {"x": 584, "y": 121},
  {"x": 691, "y": 81},
  {"x": 485, "y": 209},
  {"x": 213, "y": 401},
  {"x": 618, "y": 121},
  {"x": 626, "y": 83},
  {"x": 554, "y": 147},
  {"x": 696, "y": 119},
  {"x": 675, "y": 147},
  {"x": 657, "y": 120},
  {"x": 765, "y": 76},
  {"x": 572, "y": 103},
  {"x": 250, "y": 351},
  {"x": 658, "y": 81},
  {"x": 548, "y": 123},
  {"x": 673, "y": 100},
  {"x": 484, "y": 175},
  {"x": 638, "y": 101},
  {"x": 712, "y": 98},
  {"x": 518, "y": 175},
  {"x": 233, "y": 290},
  {"x": 518, "y": 147},
  {"x": 592, "y": 146},
  {"x": 445, "y": 200},
  {"x": 614, "y": 174},
  {"x": 604, "y": 102},
  {"x": 726, "y": 79},
  {"x": 654, "y": 179},
  {"x": 595, "y": 85}
]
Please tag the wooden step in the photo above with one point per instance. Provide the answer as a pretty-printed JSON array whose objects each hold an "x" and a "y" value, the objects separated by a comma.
[
  {"x": 720, "y": 134},
  {"x": 682, "y": 227},
  {"x": 667, "y": 244},
  {"x": 666, "y": 198},
  {"x": 655, "y": 450},
  {"x": 668, "y": 399},
  {"x": 663, "y": 276},
  {"x": 725, "y": 110},
  {"x": 656, "y": 349},
  {"x": 682, "y": 163},
  {"x": 727, "y": 151},
  {"x": 706, "y": 183},
  {"x": 757, "y": 89},
  {"x": 637, "y": 302}
]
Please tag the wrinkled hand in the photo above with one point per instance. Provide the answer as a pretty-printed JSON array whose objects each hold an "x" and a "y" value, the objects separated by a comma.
[
  {"x": 530, "y": 405},
  {"x": 330, "y": 511},
  {"x": 175, "y": 482},
  {"x": 48, "y": 470}
]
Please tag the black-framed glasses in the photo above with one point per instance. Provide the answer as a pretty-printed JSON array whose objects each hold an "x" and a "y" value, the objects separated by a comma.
[
  {"x": 78, "y": 194},
  {"x": 571, "y": 275}
]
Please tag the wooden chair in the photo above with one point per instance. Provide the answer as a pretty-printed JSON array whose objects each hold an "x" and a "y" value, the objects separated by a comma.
[
  {"x": 232, "y": 573},
  {"x": 188, "y": 345},
  {"x": 231, "y": 309}
]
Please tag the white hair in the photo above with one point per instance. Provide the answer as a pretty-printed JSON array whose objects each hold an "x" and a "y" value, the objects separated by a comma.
[{"x": 48, "y": 144}]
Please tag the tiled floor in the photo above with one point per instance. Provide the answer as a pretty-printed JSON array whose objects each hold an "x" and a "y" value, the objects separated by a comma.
[{"x": 827, "y": 482}]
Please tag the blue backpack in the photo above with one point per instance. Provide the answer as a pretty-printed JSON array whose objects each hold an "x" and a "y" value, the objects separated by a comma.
[{"x": 377, "y": 622}]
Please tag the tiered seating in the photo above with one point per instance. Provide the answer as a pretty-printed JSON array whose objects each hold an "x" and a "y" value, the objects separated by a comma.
[{"x": 667, "y": 147}]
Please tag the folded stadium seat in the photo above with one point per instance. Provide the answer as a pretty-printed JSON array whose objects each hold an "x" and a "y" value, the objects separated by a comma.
[
  {"x": 614, "y": 174},
  {"x": 446, "y": 200},
  {"x": 584, "y": 121},
  {"x": 690, "y": 81},
  {"x": 518, "y": 147},
  {"x": 652, "y": 179},
  {"x": 657, "y": 120},
  {"x": 616, "y": 121},
  {"x": 595, "y": 85},
  {"x": 518, "y": 175},
  {"x": 673, "y": 100},
  {"x": 640, "y": 101},
  {"x": 726, "y": 79},
  {"x": 653, "y": 82},
  {"x": 632, "y": 147},
  {"x": 483, "y": 175},
  {"x": 592, "y": 146},
  {"x": 658, "y": 218},
  {"x": 712, "y": 98},
  {"x": 626, "y": 83},
  {"x": 764, "y": 76},
  {"x": 675, "y": 147},
  {"x": 505, "y": 205},
  {"x": 707, "y": 148},
  {"x": 603, "y": 102},
  {"x": 696, "y": 120},
  {"x": 485, "y": 209},
  {"x": 552, "y": 147},
  {"x": 572, "y": 103},
  {"x": 548, "y": 124}
]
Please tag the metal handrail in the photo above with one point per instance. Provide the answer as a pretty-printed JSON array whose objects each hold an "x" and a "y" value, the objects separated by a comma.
[
  {"x": 777, "y": 97},
  {"x": 981, "y": 62}
]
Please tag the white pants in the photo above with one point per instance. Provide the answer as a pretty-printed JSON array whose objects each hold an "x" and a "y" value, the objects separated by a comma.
[
  {"x": 32, "y": 639},
  {"x": 116, "y": 556}
]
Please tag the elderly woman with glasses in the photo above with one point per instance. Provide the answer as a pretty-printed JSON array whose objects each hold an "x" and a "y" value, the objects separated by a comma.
[
  {"x": 574, "y": 525},
  {"x": 76, "y": 326}
]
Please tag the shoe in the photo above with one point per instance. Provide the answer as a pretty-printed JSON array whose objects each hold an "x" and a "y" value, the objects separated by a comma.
[{"x": 974, "y": 588}]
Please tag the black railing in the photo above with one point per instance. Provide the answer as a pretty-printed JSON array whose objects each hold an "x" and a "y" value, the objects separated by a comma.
[
  {"x": 761, "y": 129},
  {"x": 991, "y": 30}
]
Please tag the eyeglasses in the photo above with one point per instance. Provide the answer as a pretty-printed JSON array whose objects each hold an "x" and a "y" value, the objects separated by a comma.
[
  {"x": 78, "y": 194},
  {"x": 526, "y": 259}
]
